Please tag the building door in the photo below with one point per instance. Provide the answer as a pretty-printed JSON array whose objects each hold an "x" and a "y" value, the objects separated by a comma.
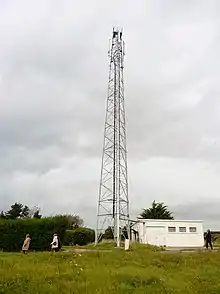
[{"x": 156, "y": 235}]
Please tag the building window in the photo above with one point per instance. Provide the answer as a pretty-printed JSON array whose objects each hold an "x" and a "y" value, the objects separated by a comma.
[
  {"x": 182, "y": 229},
  {"x": 171, "y": 229},
  {"x": 192, "y": 229}
]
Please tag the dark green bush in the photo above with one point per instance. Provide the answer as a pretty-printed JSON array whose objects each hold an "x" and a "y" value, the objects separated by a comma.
[
  {"x": 12, "y": 232},
  {"x": 79, "y": 236}
]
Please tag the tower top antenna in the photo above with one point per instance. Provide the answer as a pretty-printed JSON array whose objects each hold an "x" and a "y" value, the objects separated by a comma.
[{"x": 117, "y": 33}]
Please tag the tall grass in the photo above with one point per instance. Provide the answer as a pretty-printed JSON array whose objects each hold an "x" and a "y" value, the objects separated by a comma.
[{"x": 141, "y": 270}]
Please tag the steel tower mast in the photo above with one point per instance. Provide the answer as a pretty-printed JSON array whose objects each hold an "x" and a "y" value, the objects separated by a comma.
[{"x": 113, "y": 203}]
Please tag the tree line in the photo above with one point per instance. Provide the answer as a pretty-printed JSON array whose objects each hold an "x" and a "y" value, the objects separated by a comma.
[{"x": 20, "y": 211}]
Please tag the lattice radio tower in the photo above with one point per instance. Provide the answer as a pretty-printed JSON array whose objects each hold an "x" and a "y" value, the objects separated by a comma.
[{"x": 113, "y": 203}]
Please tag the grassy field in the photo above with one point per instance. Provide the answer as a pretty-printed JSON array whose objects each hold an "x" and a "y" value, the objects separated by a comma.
[{"x": 141, "y": 270}]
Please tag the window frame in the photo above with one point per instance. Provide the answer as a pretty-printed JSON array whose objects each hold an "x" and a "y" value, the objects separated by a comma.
[
  {"x": 171, "y": 228},
  {"x": 194, "y": 231},
  {"x": 184, "y": 231}
]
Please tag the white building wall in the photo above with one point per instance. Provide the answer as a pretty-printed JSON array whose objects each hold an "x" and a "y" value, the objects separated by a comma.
[{"x": 161, "y": 233}]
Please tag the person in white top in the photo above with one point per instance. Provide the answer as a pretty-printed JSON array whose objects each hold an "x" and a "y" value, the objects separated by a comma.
[{"x": 55, "y": 243}]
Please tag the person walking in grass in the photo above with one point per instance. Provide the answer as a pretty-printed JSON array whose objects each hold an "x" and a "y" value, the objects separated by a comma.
[
  {"x": 208, "y": 240},
  {"x": 55, "y": 244},
  {"x": 26, "y": 244}
]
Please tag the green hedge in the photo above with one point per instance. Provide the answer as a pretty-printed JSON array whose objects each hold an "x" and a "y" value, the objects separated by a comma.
[
  {"x": 80, "y": 236},
  {"x": 12, "y": 232}
]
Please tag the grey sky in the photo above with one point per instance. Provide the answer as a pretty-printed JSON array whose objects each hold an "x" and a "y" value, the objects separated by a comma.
[{"x": 53, "y": 85}]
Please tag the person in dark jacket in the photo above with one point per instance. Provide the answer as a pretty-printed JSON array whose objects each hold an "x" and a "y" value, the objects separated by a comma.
[{"x": 208, "y": 239}]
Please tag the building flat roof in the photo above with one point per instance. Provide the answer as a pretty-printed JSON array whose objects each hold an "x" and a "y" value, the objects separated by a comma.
[{"x": 170, "y": 220}]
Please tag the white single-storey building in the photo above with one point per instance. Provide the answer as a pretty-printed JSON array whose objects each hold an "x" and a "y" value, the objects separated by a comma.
[{"x": 169, "y": 233}]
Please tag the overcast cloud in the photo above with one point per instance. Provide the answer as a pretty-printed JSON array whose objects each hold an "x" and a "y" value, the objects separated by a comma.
[{"x": 53, "y": 86}]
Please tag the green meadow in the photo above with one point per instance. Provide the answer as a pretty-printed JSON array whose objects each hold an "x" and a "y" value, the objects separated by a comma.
[{"x": 142, "y": 269}]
